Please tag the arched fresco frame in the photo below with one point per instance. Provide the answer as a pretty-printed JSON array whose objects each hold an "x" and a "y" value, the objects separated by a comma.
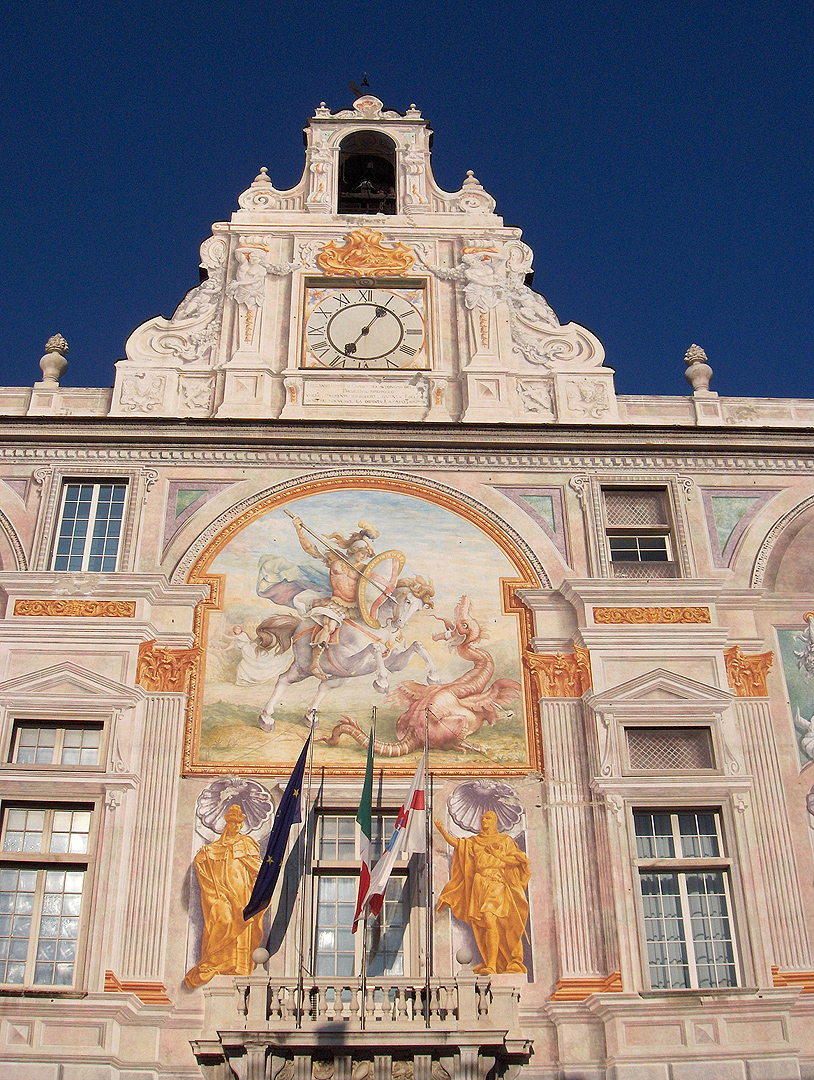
[
  {"x": 195, "y": 568},
  {"x": 772, "y": 536}
]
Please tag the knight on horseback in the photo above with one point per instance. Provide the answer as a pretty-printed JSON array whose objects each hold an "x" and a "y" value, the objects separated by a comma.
[{"x": 345, "y": 571}]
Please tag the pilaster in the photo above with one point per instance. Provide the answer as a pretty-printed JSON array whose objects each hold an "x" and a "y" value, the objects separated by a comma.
[{"x": 143, "y": 953}]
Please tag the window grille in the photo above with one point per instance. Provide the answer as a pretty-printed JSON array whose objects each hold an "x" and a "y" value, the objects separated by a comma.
[{"x": 663, "y": 748}]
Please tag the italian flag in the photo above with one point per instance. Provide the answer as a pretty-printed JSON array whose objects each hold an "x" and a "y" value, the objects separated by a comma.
[{"x": 363, "y": 818}]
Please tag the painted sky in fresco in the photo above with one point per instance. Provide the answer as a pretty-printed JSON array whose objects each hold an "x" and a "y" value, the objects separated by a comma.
[{"x": 657, "y": 156}]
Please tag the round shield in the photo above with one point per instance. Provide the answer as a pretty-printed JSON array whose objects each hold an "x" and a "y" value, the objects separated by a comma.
[{"x": 376, "y": 582}]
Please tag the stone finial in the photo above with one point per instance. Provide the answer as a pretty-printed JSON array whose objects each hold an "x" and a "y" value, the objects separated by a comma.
[
  {"x": 57, "y": 344},
  {"x": 53, "y": 364},
  {"x": 471, "y": 180},
  {"x": 698, "y": 373}
]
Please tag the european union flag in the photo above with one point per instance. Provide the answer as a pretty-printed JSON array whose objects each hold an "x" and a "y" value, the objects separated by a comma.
[{"x": 287, "y": 813}]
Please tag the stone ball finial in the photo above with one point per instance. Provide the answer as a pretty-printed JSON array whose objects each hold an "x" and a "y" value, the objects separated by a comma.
[
  {"x": 260, "y": 956},
  {"x": 698, "y": 373},
  {"x": 464, "y": 956},
  {"x": 53, "y": 364}
]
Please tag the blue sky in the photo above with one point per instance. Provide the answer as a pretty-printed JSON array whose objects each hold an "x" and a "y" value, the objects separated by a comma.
[{"x": 658, "y": 157}]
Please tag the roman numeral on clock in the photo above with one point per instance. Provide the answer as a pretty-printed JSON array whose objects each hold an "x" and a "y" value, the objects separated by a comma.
[{"x": 408, "y": 350}]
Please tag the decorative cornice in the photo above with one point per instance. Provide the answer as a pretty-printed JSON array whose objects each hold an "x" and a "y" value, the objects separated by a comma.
[
  {"x": 165, "y": 670},
  {"x": 803, "y": 979},
  {"x": 580, "y": 988},
  {"x": 747, "y": 674},
  {"x": 463, "y": 447},
  {"x": 560, "y": 675},
  {"x": 648, "y": 616},
  {"x": 151, "y": 993},
  {"x": 364, "y": 253},
  {"x": 76, "y": 609}
]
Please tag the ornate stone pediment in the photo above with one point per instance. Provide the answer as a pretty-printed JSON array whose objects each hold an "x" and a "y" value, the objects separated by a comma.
[
  {"x": 677, "y": 692},
  {"x": 66, "y": 683}
]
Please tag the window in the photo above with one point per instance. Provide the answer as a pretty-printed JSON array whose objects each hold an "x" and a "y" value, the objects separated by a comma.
[
  {"x": 367, "y": 174},
  {"x": 337, "y": 951},
  {"x": 669, "y": 748},
  {"x": 43, "y": 865},
  {"x": 639, "y": 534},
  {"x": 90, "y": 526},
  {"x": 41, "y": 743},
  {"x": 686, "y": 906}
]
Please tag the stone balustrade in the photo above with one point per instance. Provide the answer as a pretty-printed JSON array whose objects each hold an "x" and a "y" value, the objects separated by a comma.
[{"x": 334, "y": 1026}]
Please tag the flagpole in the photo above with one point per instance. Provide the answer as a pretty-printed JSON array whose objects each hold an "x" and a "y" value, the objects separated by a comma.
[
  {"x": 363, "y": 1002},
  {"x": 305, "y": 875},
  {"x": 427, "y": 867}
]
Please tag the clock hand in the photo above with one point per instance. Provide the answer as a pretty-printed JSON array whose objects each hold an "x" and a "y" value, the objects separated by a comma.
[{"x": 350, "y": 348}]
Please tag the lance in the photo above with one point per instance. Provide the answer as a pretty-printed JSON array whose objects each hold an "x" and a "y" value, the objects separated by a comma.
[{"x": 335, "y": 551}]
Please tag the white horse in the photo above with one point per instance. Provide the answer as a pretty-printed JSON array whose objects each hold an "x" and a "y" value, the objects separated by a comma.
[{"x": 358, "y": 650}]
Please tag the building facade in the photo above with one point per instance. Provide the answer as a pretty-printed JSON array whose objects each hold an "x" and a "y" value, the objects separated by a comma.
[{"x": 364, "y": 470}]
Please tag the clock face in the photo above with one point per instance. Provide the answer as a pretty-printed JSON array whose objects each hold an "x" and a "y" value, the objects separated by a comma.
[{"x": 365, "y": 328}]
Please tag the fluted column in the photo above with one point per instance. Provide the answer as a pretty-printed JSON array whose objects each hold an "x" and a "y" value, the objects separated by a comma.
[
  {"x": 147, "y": 908},
  {"x": 577, "y": 905},
  {"x": 782, "y": 895}
]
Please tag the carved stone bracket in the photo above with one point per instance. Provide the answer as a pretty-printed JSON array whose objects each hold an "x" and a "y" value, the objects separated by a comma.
[
  {"x": 646, "y": 616},
  {"x": 166, "y": 670},
  {"x": 747, "y": 674},
  {"x": 561, "y": 675}
]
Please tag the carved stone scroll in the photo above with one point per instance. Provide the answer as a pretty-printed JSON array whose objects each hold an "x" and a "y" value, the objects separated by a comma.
[
  {"x": 165, "y": 670},
  {"x": 364, "y": 253},
  {"x": 747, "y": 674},
  {"x": 560, "y": 675},
  {"x": 83, "y": 609},
  {"x": 645, "y": 616}
]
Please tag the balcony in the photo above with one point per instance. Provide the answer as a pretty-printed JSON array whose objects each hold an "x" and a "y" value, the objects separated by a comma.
[{"x": 258, "y": 1027}]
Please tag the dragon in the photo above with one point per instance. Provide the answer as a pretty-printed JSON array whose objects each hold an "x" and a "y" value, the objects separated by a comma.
[{"x": 453, "y": 710}]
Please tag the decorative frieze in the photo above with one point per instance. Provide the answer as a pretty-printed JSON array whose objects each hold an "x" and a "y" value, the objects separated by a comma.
[
  {"x": 560, "y": 675},
  {"x": 747, "y": 674},
  {"x": 165, "y": 670},
  {"x": 76, "y": 609},
  {"x": 649, "y": 616}
]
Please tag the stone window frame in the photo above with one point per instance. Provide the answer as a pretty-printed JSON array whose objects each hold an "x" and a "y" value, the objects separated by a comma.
[
  {"x": 52, "y": 481},
  {"x": 590, "y": 492}
]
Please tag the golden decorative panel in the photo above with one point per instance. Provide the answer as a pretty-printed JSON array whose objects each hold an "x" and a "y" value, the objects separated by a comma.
[
  {"x": 364, "y": 255},
  {"x": 648, "y": 616},
  {"x": 747, "y": 674},
  {"x": 167, "y": 670},
  {"x": 562, "y": 675},
  {"x": 82, "y": 609}
]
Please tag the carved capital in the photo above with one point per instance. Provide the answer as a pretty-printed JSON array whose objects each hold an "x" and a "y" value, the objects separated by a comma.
[
  {"x": 560, "y": 675},
  {"x": 646, "y": 616},
  {"x": 82, "y": 609},
  {"x": 167, "y": 670},
  {"x": 747, "y": 674}
]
